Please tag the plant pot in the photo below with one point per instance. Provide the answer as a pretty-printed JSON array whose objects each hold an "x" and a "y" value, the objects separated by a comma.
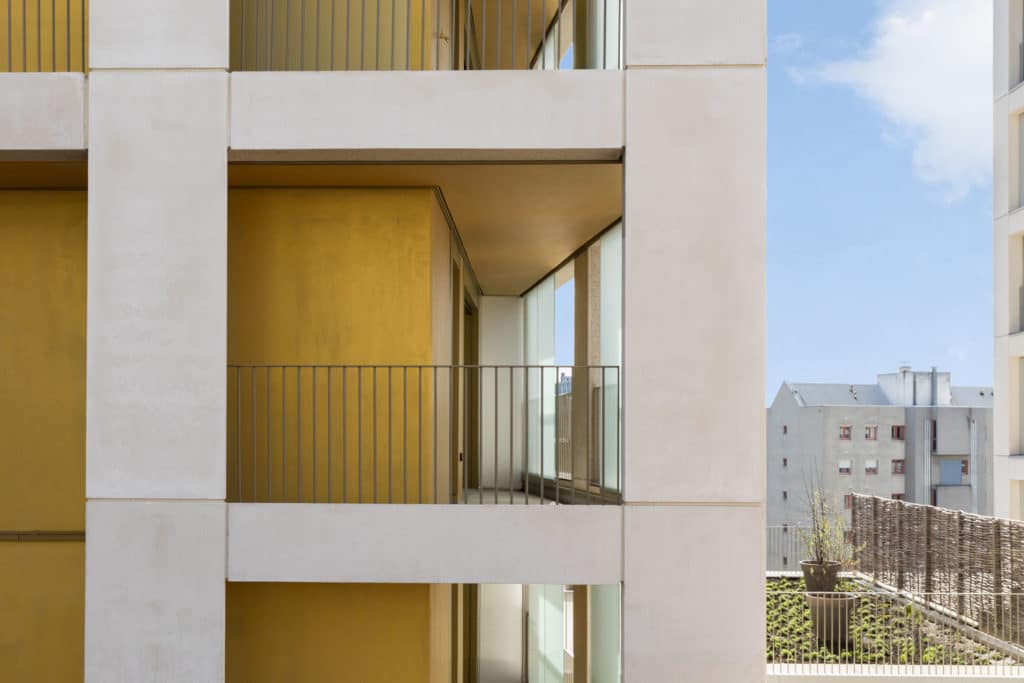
[
  {"x": 830, "y": 616},
  {"x": 820, "y": 577}
]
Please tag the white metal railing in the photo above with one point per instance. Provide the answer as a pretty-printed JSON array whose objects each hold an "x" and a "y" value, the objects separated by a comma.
[
  {"x": 423, "y": 434},
  {"x": 328, "y": 35},
  {"x": 784, "y": 548},
  {"x": 861, "y": 630}
]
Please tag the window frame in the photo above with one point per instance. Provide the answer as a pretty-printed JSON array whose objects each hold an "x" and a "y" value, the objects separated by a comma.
[
  {"x": 901, "y": 468},
  {"x": 845, "y": 432},
  {"x": 871, "y": 432}
]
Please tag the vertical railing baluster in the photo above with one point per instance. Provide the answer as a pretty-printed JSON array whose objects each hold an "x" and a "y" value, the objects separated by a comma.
[
  {"x": 252, "y": 427},
  {"x": 541, "y": 387},
  {"x": 391, "y": 65},
  {"x": 39, "y": 35},
  {"x": 604, "y": 35},
  {"x": 511, "y": 429},
  {"x": 330, "y": 420},
  {"x": 238, "y": 432},
  {"x": 258, "y": 33},
  {"x": 241, "y": 49},
  {"x": 419, "y": 434},
  {"x": 287, "y": 32},
  {"x": 348, "y": 28},
  {"x": 495, "y": 482},
  {"x": 515, "y": 22},
  {"x": 85, "y": 33},
  {"x": 603, "y": 441},
  {"x": 53, "y": 35},
  {"x": 483, "y": 36},
  {"x": 434, "y": 428},
  {"x": 618, "y": 436},
  {"x": 526, "y": 433},
  {"x": 557, "y": 475},
  {"x": 316, "y": 37},
  {"x": 315, "y": 443},
  {"x": 376, "y": 34},
  {"x": 374, "y": 414},
  {"x": 497, "y": 23},
  {"x": 529, "y": 32},
  {"x": 437, "y": 36},
  {"x": 391, "y": 437},
  {"x": 359, "y": 435},
  {"x": 272, "y": 8},
  {"x": 344, "y": 434},
  {"x": 302, "y": 35},
  {"x": 480, "y": 433},
  {"x": 24, "y": 35},
  {"x": 67, "y": 33},
  {"x": 464, "y": 385},
  {"x": 362, "y": 34},
  {"x": 333, "y": 11},
  {"x": 298, "y": 475},
  {"x": 270, "y": 495},
  {"x": 405, "y": 434},
  {"x": 284, "y": 432}
]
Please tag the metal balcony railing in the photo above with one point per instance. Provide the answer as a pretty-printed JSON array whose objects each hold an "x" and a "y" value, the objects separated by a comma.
[
  {"x": 862, "y": 631},
  {"x": 416, "y": 35},
  {"x": 511, "y": 434},
  {"x": 43, "y": 35}
]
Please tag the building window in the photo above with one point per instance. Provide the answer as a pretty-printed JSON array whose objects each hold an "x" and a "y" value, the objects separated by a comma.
[
  {"x": 785, "y": 429},
  {"x": 848, "y": 501},
  {"x": 785, "y": 560},
  {"x": 897, "y": 466},
  {"x": 871, "y": 467},
  {"x": 965, "y": 467},
  {"x": 897, "y": 496},
  {"x": 845, "y": 467},
  {"x": 844, "y": 432},
  {"x": 897, "y": 432},
  {"x": 871, "y": 433},
  {"x": 785, "y": 462},
  {"x": 785, "y": 495},
  {"x": 935, "y": 436}
]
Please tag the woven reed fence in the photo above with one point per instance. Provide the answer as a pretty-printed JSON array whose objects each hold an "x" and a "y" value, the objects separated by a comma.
[{"x": 977, "y": 562}]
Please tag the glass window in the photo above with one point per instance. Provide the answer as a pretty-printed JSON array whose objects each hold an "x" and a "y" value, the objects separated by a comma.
[
  {"x": 845, "y": 467},
  {"x": 845, "y": 431},
  {"x": 871, "y": 432},
  {"x": 871, "y": 466}
]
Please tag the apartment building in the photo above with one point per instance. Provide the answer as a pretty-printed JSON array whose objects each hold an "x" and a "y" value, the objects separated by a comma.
[
  {"x": 911, "y": 436},
  {"x": 279, "y": 285},
  {"x": 1008, "y": 255}
]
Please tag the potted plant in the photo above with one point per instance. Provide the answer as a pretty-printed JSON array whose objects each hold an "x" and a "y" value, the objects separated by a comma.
[
  {"x": 828, "y": 553},
  {"x": 827, "y": 548}
]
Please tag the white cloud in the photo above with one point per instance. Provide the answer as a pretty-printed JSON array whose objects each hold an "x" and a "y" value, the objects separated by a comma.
[{"x": 928, "y": 69}]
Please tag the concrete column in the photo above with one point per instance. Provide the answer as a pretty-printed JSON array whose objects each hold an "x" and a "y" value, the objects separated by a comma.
[
  {"x": 155, "y": 465},
  {"x": 694, "y": 365}
]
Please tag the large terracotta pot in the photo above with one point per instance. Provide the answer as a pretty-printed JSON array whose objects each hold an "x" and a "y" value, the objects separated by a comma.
[{"x": 820, "y": 577}]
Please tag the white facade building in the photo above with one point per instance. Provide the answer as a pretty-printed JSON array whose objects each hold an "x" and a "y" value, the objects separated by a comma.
[
  {"x": 911, "y": 436},
  {"x": 161, "y": 117}
]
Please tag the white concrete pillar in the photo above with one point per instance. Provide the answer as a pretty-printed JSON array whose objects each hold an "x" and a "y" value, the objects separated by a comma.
[
  {"x": 155, "y": 465},
  {"x": 694, "y": 345}
]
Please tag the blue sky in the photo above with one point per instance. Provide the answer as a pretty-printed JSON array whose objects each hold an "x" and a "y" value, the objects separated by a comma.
[{"x": 879, "y": 189}]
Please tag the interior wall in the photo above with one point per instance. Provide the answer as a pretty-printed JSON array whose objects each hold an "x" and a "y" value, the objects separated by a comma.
[
  {"x": 501, "y": 343},
  {"x": 333, "y": 276},
  {"x": 313, "y": 632},
  {"x": 501, "y": 633}
]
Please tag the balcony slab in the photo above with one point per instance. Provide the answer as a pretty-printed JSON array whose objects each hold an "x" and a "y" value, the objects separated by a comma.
[
  {"x": 416, "y": 116},
  {"x": 41, "y": 112},
  {"x": 425, "y": 543}
]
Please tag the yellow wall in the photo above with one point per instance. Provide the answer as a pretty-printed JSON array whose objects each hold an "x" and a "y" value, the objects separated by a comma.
[
  {"x": 42, "y": 607},
  {"x": 330, "y": 276},
  {"x": 318, "y": 632},
  {"x": 45, "y": 36},
  {"x": 42, "y": 420},
  {"x": 42, "y": 360}
]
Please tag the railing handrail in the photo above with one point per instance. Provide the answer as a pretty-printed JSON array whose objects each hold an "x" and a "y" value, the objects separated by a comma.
[{"x": 502, "y": 366}]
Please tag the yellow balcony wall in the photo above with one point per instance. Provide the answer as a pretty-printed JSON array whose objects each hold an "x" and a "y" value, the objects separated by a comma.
[
  {"x": 42, "y": 603},
  {"x": 312, "y": 632},
  {"x": 333, "y": 276},
  {"x": 44, "y": 35},
  {"x": 42, "y": 360}
]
